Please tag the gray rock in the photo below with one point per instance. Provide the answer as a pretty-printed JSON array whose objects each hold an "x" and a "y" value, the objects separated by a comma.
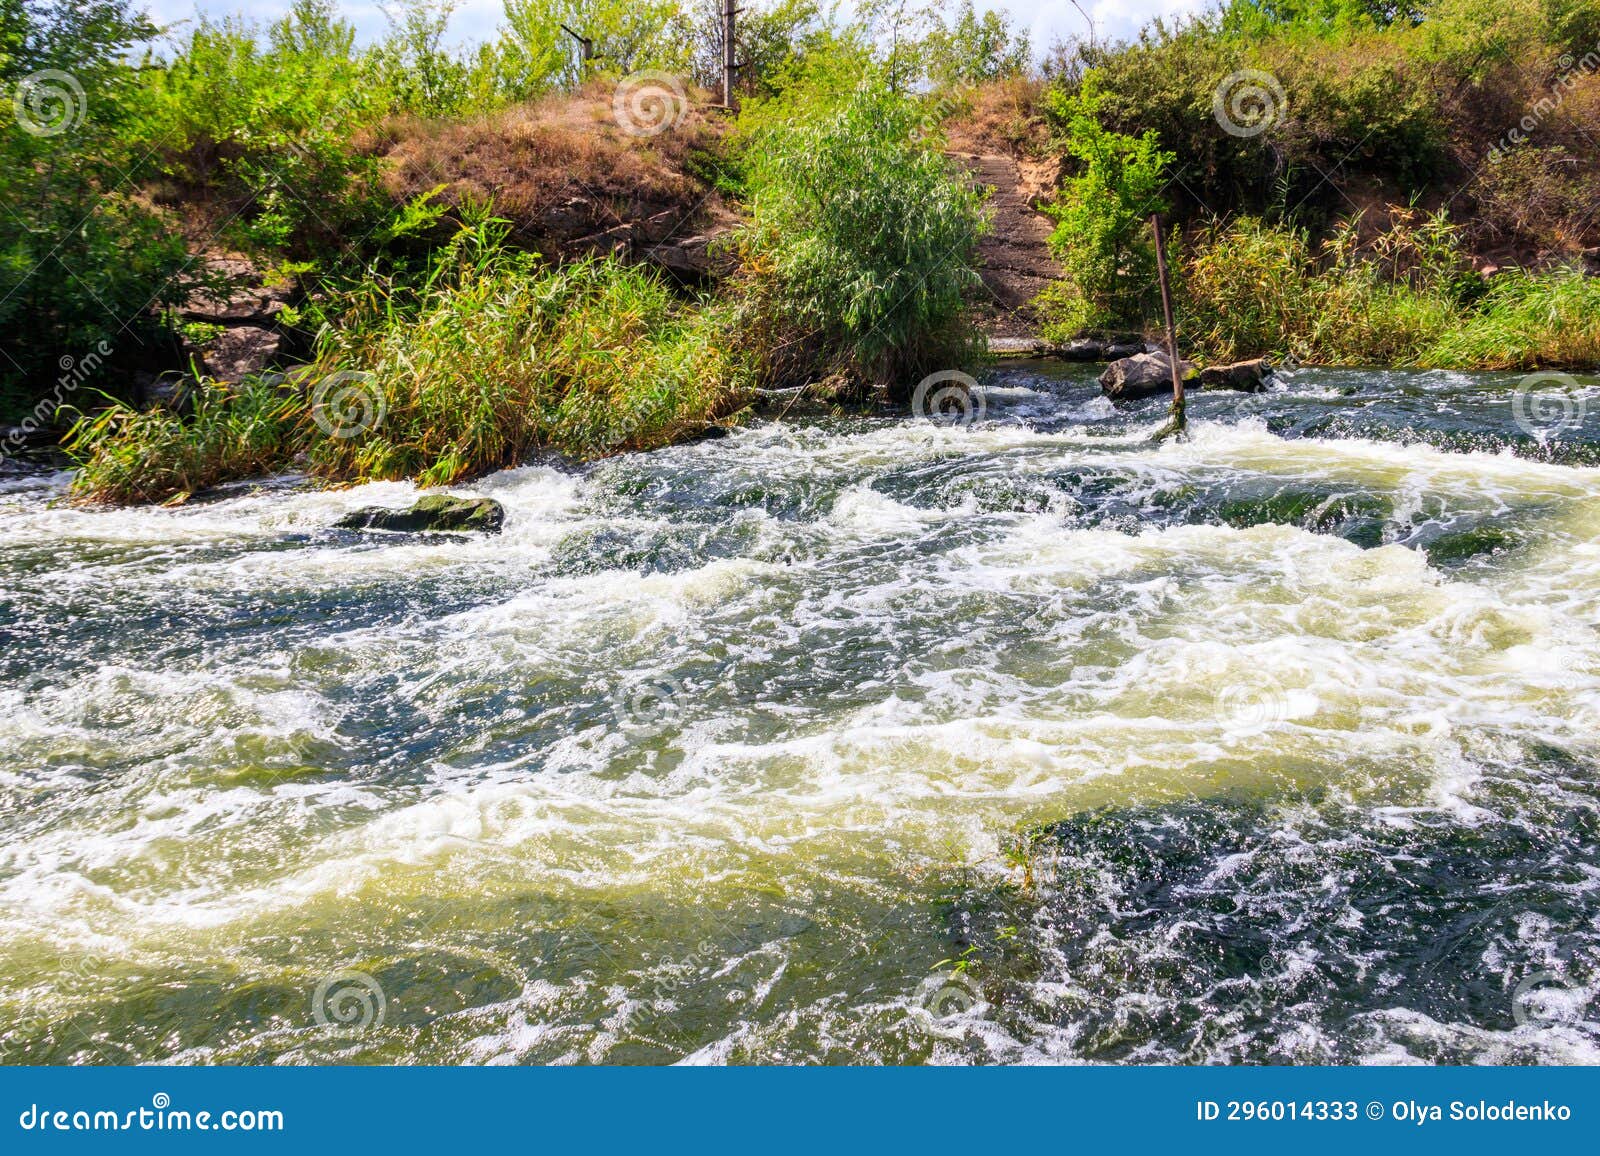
[
  {"x": 237, "y": 296},
  {"x": 1142, "y": 375},
  {"x": 241, "y": 351},
  {"x": 1248, "y": 376},
  {"x": 700, "y": 256},
  {"x": 1017, "y": 347},
  {"x": 436, "y": 513}
]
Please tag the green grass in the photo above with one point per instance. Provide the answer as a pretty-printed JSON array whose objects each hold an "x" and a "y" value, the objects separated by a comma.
[
  {"x": 1403, "y": 297},
  {"x": 492, "y": 358},
  {"x": 157, "y": 455},
  {"x": 1526, "y": 320},
  {"x": 589, "y": 359}
]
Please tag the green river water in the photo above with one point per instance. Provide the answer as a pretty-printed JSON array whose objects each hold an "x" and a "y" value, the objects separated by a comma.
[{"x": 1277, "y": 745}]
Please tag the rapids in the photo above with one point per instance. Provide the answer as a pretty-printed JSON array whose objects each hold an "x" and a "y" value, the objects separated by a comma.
[{"x": 860, "y": 740}]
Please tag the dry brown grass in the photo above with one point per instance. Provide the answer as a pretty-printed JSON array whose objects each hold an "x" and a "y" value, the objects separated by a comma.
[
  {"x": 564, "y": 172},
  {"x": 1001, "y": 116}
]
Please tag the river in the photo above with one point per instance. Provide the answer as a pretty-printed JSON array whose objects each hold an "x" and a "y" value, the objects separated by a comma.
[{"x": 843, "y": 740}]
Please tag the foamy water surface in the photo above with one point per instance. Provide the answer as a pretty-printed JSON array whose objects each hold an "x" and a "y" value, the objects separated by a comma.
[{"x": 1278, "y": 745}]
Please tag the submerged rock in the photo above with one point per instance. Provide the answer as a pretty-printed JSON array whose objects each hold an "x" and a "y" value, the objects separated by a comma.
[
  {"x": 1248, "y": 376},
  {"x": 1142, "y": 375},
  {"x": 1463, "y": 545},
  {"x": 435, "y": 513}
]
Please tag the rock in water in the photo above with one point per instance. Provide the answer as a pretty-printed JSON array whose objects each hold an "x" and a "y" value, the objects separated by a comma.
[
  {"x": 1142, "y": 375},
  {"x": 436, "y": 513},
  {"x": 1249, "y": 376}
]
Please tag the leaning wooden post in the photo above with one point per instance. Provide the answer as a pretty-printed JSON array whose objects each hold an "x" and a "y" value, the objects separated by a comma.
[{"x": 1179, "y": 422}]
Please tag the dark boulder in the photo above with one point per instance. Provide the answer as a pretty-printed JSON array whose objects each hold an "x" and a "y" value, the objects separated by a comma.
[
  {"x": 436, "y": 513},
  {"x": 1082, "y": 349},
  {"x": 1142, "y": 375},
  {"x": 1248, "y": 376}
]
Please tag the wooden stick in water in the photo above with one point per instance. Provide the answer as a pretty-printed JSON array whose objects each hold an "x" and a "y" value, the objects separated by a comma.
[{"x": 1178, "y": 424}]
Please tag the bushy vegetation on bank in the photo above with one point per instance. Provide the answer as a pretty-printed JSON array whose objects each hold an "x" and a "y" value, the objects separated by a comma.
[
  {"x": 1340, "y": 178},
  {"x": 445, "y": 347},
  {"x": 1343, "y": 175},
  {"x": 491, "y": 357},
  {"x": 861, "y": 240},
  {"x": 496, "y": 356}
]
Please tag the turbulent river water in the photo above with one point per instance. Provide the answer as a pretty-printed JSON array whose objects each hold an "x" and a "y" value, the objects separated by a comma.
[{"x": 837, "y": 740}]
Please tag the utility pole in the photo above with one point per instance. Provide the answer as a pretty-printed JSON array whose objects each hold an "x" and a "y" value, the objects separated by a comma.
[
  {"x": 1087, "y": 17},
  {"x": 1179, "y": 422},
  {"x": 585, "y": 48},
  {"x": 730, "y": 15}
]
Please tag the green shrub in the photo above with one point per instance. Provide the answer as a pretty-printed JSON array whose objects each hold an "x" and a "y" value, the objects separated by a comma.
[
  {"x": 82, "y": 258},
  {"x": 1344, "y": 96},
  {"x": 862, "y": 235},
  {"x": 1102, "y": 236},
  {"x": 264, "y": 127},
  {"x": 495, "y": 357}
]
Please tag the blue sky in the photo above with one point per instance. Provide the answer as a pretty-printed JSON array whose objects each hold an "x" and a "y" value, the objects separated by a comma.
[{"x": 476, "y": 19}]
